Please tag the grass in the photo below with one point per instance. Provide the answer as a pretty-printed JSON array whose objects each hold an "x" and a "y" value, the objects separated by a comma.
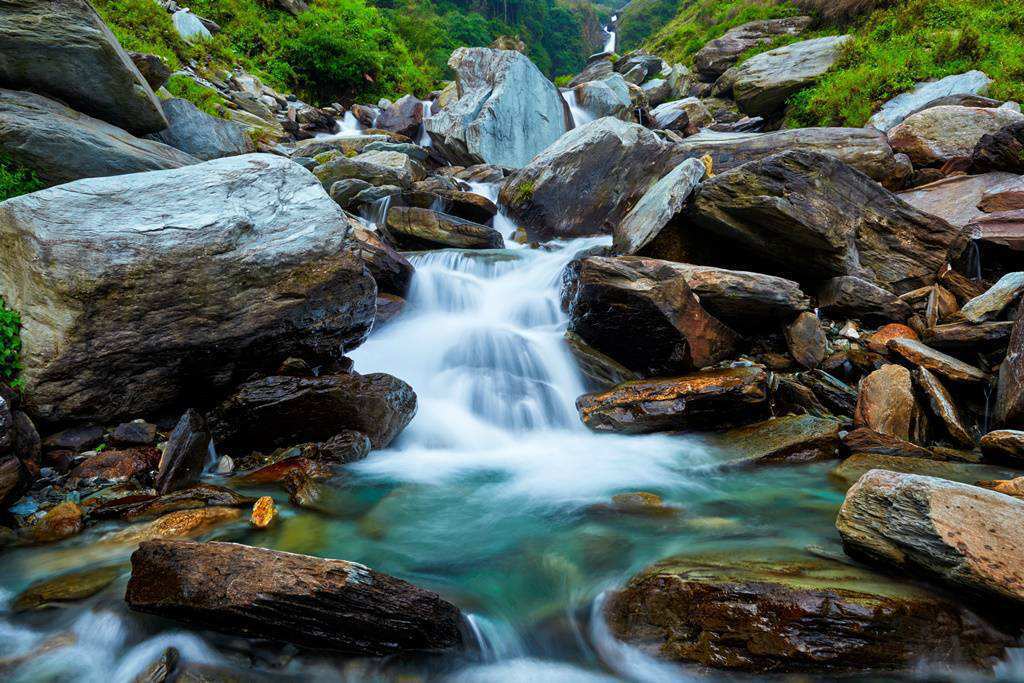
[
  {"x": 10, "y": 346},
  {"x": 205, "y": 99},
  {"x": 15, "y": 181}
]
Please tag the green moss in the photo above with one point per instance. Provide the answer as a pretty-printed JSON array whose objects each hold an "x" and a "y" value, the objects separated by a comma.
[
  {"x": 10, "y": 345},
  {"x": 15, "y": 181},
  {"x": 523, "y": 192}
]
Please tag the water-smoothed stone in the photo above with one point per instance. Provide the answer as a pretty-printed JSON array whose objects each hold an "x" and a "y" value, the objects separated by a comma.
[
  {"x": 854, "y": 467},
  {"x": 886, "y": 403},
  {"x": 1008, "y": 411},
  {"x": 893, "y": 112},
  {"x": 640, "y": 231},
  {"x": 585, "y": 183},
  {"x": 60, "y": 522},
  {"x": 60, "y": 145},
  {"x": 963, "y": 536},
  {"x": 343, "y": 448},
  {"x": 390, "y": 270},
  {"x": 608, "y": 96},
  {"x": 404, "y": 116},
  {"x": 1002, "y": 150},
  {"x": 712, "y": 60},
  {"x": 941, "y": 134},
  {"x": 506, "y": 112},
  {"x": 308, "y": 601},
  {"x": 848, "y": 296},
  {"x": 643, "y": 314},
  {"x": 192, "y": 280},
  {"x": 376, "y": 168},
  {"x": 76, "y": 439},
  {"x": 780, "y": 440},
  {"x": 865, "y": 149},
  {"x": 264, "y": 512},
  {"x": 1004, "y": 446},
  {"x": 810, "y": 215},
  {"x": 762, "y": 84},
  {"x": 806, "y": 340},
  {"x": 687, "y": 115},
  {"x": 65, "y": 51},
  {"x": 783, "y": 612},
  {"x": 865, "y": 440},
  {"x": 414, "y": 152},
  {"x": 116, "y": 465},
  {"x": 189, "y": 523},
  {"x": 279, "y": 472},
  {"x": 66, "y": 588},
  {"x": 940, "y": 363},
  {"x": 203, "y": 136},
  {"x": 413, "y": 228},
  {"x": 1000, "y": 295},
  {"x": 281, "y": 411},
  {"x": 466, "y": 205},
  {"x": 135, "y": 433},
  {"x": 710, "y": 398},
  {"x": 955, "y": 199},
  {"x": 144, "y": 506},
  {"x": 943, "y": 406},
  {"x": 186, "y": 453}
]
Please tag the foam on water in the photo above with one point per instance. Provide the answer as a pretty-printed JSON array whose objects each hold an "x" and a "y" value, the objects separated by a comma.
[{"x": 580, "y": 115}]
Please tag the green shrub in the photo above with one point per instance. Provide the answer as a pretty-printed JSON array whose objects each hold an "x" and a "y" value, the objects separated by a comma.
[
  {"x": 205, "y": 99},
  {"x": 10, "y": 345},
  {"x": 15, "y": 180}
]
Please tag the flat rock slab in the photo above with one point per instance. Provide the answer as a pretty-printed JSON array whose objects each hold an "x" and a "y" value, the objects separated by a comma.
[
  {"x": 854, "y": 467},
  {"x": 311, "y": 602},
  {"x": 903, "y": 105},
  {"x": 940, "y": 363},
  {"x": 659, "y": 205},
  {"x": 783, "y": 612},
  {"x": 780, "y": 440},
  {"x": 955, "y": 199},
  {"x": 963, "y": 536}
]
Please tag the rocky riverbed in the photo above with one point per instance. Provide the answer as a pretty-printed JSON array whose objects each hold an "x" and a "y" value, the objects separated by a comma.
[{"x": 617, "y": 381}]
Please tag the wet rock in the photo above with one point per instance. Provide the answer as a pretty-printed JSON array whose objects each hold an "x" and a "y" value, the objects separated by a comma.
[
  {"x": 467, "y": 205},
  {"x": 13, "y": 480},
  {"x": 941, "y": 134},
  {"x": 641, "y": 230},
  {"x": 376, "y": 168},
  {"x": 806, "y": 340},
  {"x": 864, "y": 440},
  {"x": 75, "y": 439},
  {"x": 303, "y": 490},
  {"x": 143, "y": 506},
  {"x": 588, "y": 180},
  {"x": 60, "y": 522},
  {"x": 956, "y": 198},
  {"x": 642, "y": 313},
  {"x": 404, "y": 116},
  {"x": 1005, "y": 446},
  {"x": 762, "y": 84},
  {"x": 188, "y": 449},
  {"x": 65, "y": 589},
  {"x": 688, "y": 115},
  {"x": 280, "y": 471},
  {"x": 809, "y": 215},
  {"x": 152, "y": 67},
  {"x": 601, "y": 371},
  {"x": 787, "y": 439},
  {"x": 637, "y": 503},
  {"x": 135, "y": 433},
  {"x": 879, "y": 340},
  {"x": 776, "y": 612},
  {"x": 412, "y": 228},
  {"x": 1002, "y": 150},
  {"x": 606, "y": 97},
  {"x": 119, "y": 318},
  {"x": 263, "y": 512},
  {"x": 710, "y": 398},
  {"x": 961, "y": 337},
  {"x": 940, "y": 363},
  {"x": 963, "y": 536},
  {"x": 865, "y": 149},
  {"x": 854, "y": 467},
  {"x": 116, "y": 465},
  {"x": 712, "y": 60},
  {"x": 990, "y": 304},
  {"x": 203, "y": 136},
  {"x": 312, "y": 602},
  {"x": 943, "y": 406},
  {"x": 60, "y": 145},
  {"x": 848, "y": 296},
  {"x": 165, "y": 667},
  {"x": 180, "y": 524},
  {"x": 280, "y": 411},
  {"x": 886, "y": 404},
  {"x": 340, "y": 449},
  {"x": 414, "y": 152},
  {"x": 506, "y": 113},
  {"x": 893, "y": 112},
  {"x": 1008, "y": 411},
  {"x": 90, "y": 71}
]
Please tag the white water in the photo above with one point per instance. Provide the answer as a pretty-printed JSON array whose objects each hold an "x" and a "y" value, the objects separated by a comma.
[
  {"x": 580, "y": 115},
  {"x": 609, "y": 43},
  {"x": 424, "y": 136}
]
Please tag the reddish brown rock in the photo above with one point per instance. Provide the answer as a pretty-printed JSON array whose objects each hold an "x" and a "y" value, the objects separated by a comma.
[
  {"x": 943, "y": 406},
  {"x": 116, "y": 465},
  {"x": 279, "y": 471},
  {"x": 940, "y": 363},
  {"x": 864, "y": 440},
  {"x": 263, "y": 512},
  {"x": 1006, "y": 196},
  {"x": 886, "y": 404},
  {"x": 1005, "y": 446},
  {"x": 879, "y": 341},
  {"x": 806, "y": 340},
  {"x": 60, "y": 522},
  {"x": 180, "y": 524}
]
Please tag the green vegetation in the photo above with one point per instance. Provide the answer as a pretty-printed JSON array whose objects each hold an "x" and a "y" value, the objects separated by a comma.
[
  {"x": 10, "y": 345},
  {"x": 206, "y": 99},
  {"x": 15, "y": 180}
]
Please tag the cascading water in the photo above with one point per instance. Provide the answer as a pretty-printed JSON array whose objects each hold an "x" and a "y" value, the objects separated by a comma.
[{"x": 580, "y": 115}]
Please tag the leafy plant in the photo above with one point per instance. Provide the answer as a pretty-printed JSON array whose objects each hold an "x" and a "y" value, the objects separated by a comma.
[
  {"x": 10, "y": 345},
  {"x": 15, "y": 180}
]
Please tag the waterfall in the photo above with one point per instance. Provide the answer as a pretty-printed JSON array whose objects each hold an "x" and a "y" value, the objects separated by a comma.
[
  {"x": 349, "y": 125},
  {"x": 580, "y": 115},
  {"x": 423, "y": 139}
]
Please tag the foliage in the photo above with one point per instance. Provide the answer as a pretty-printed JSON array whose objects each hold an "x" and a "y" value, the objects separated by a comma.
[
  {"x": 15, "y": 181},
  {"x": 10, "y": 345},
  {"x": 205, "y": 99},
  {"x": 641, "y": 19}
]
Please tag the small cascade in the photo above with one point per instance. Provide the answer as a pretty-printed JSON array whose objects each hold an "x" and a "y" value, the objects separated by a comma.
[
  {"x": 580, "y": 115},
  {"x": 609, "y": 31},
  {"x": 349, "y": 125},
  {"x": 376, "y": 214},
  {"x": 424, "y": 137}
]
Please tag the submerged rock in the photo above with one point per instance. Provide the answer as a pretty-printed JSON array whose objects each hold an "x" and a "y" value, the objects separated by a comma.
[
  {"x": 191, "y": 280},
  {"x": 180, "y": 524},
  {"x": 963, "y": 536},
  {"x": 308, "y": 601},
  {"x": 711, "y": 398},
  {"x": 66, "y": 588},
  {"x": 780, "y": 613}
]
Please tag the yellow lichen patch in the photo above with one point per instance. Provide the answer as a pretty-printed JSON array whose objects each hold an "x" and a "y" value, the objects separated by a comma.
[{"x": 263, "y": 512}]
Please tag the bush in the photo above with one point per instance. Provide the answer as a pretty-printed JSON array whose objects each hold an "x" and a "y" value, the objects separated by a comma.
[
  {"x": 10, "y": 345},
  {"x": 15, "y": 181}
]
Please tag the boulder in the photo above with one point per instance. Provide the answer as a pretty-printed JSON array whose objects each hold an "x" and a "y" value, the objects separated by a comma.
[
  {"x": 996, "y": 298},
  {"x": 806, "y": 340},
  {"x": 1002, "y": 150},
  {"x": 404, "y": 116},
  {"x": 963, "y": 536},
  {"x": 312, "y": 602},
  {"x": 955, "y": 199},
  {"x": 189, "y": 26},
  {"x": 1008, "y": 411},
  {"x": 606, "y": 97},
  {"x": 507, "y": 111},
  {"x": 376, "y": 168},
  {"x": 186, "y": 454},
  {"x": 1006, "y": 196},
  {"x": 1004, "y": 446},
  {"x": 598, "y": 67},
  {"x": 60, "y": 145},
  {"x": 886, "y": 404},
  {"x": 201, "y": 135},
  {"x": 707, "y": 399},
  {"x": 687, "y": 115},
  {"x": 858, "y": 464},
  {"x": 940, "y": 363},
  {"x": 893, "y": 112},
  {"x": 848, "y": 296},
  {"x": 411, "y": 228},
  {"x": 788, "y": 439},
  {"x": 65, "y": 51},
  {"x": 656, "y": 91},
  {"x": 116, "y": 465},
  {"x": 641, "y": 228},
  {"x": 999, "y": 238},
  {"x": 600, "y": 370},
  {"x": 190, "y": 281},
  {"x": 135, "y": 433},
  {"x": 390, "y": 270},
  {"x": 864, "y": 149},
  {"x": 774, "y": 612},
  {"x": 712, "y": 60},
  {"x": 467, "y": 205},
  {"x": 642, "y": 313},
  {"x": 811, "y": 216},
  {"x": 283, "y": 411},
  {"x": 152, "y": 67},
  {"x": 585, "y": 183},
  {"x": 943, "y": 406},
  {"x": 762, "y": 84},
  {"x": 941, "y": 134}
]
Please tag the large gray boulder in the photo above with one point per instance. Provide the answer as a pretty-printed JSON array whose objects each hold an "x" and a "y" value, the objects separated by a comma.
[
  {"x": 712, "y": 60},
  {"x": 865, "y": 149},
  {"x": 587, "y": 181},
  {"x": 762, "y": 84},
  {"x": 201, "y": 135},
  {"x": 683, "y": 115},
  {"x": 606, "y": 97},
  {"x": 174, "y": 285},
  {"x": 903, "y": 105},
  {"x": 940, "y": 134},
  {"x": 506, "y": 113},
  {"x": 60, "y": 145},
  {"x": 64, "y": 50}
]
